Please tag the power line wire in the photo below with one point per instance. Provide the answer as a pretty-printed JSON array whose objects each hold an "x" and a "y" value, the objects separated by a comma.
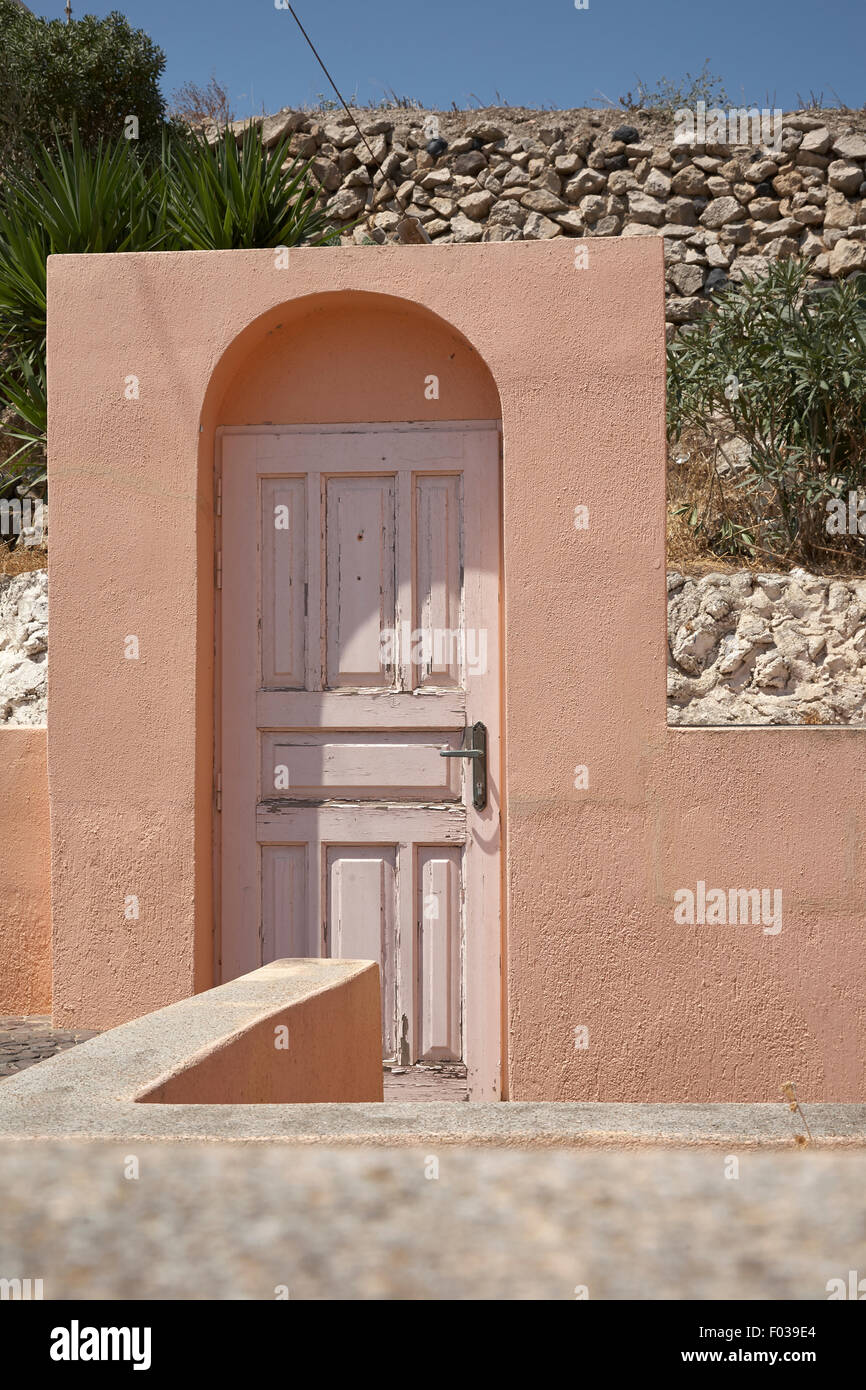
[{"x": 414, "y": 226}]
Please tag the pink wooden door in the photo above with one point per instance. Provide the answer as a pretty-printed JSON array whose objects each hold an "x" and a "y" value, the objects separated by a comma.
[{"x": 359, "y": 639}]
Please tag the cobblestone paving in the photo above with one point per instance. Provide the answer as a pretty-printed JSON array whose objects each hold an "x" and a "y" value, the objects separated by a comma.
[{"x": 30, "y": 1038}]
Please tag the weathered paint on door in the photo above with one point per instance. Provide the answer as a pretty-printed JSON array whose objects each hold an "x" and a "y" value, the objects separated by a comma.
[{"x": 360, "y": 638}]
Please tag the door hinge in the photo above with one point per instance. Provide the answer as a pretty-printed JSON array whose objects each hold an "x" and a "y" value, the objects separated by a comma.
[
  {"x": 219, "y": 569},
  {"x": 219, "y": 496},
  {"x": 219, "y": 791}
]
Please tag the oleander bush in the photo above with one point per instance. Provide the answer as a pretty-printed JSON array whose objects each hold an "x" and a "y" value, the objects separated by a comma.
[
  {"x": 90, "y": 74},
  {"x": 778, "y": 367}
]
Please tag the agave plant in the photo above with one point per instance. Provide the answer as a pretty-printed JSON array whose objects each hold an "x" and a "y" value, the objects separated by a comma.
[
  {"x": 90, "y": 199},
  {"x": 230, "y": 195},
  {"x": 24, "y": 246},
  {"x": 75, "y": 199},
  {"x": 70, "y": 199},
  {"x": 24, "y": 396}
]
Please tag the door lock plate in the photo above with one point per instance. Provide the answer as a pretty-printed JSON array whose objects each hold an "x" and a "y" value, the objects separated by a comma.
[{"x": 477, "y": 752}]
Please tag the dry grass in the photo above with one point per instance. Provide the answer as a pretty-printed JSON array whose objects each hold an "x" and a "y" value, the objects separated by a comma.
[
  {"x": 23, "y": 559},
  {"x": 197, "y": 106},
  {"x": 696, "y": 482},
  {"x": 814, "y": 716}
]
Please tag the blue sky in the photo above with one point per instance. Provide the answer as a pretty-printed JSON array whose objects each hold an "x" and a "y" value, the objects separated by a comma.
[{"x": 536, "y": 53}]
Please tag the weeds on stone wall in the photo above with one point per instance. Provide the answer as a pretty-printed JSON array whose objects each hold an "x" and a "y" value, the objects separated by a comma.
[
  {"x": 669, "y": 95},
  {"x": 195, "y": 105}
]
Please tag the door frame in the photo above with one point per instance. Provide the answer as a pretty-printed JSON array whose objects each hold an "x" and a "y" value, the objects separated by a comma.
[{"x": 488, "y": 1081}]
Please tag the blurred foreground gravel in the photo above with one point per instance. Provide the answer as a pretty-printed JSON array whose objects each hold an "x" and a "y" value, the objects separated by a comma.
[{"x": 236, "y": 1221}]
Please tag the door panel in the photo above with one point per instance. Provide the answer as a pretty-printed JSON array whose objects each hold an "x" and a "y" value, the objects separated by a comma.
[
  {"x": 359, "y": 639},
  {"x": 285, "y": 918},
  {"x": 361, "y": 917},
  {"x": 437, "y": 580},
  {"x": 283, "y": 561},
  {"x": 439, "y": 972},
  {"x": 360, "y": 561},
  {"x": 360, "y": 766}
]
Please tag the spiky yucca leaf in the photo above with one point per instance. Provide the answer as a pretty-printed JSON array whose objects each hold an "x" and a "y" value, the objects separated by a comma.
[
  {"x": 24, "y": 395},
  {"x": 74, "y": 200},
  {"x": 24, "y": 245},
  {"x": 228, "y": 195}
]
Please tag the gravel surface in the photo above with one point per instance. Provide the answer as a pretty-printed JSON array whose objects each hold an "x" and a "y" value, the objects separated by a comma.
[{"x": 236, "y": 1222}]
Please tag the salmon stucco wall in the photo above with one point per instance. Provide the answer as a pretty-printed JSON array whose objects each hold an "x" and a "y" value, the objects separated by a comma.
[
  {"x": 25, "y": 900},
  {"x": 324, "y": 1047},
  {"x": 610, "y": 816}
]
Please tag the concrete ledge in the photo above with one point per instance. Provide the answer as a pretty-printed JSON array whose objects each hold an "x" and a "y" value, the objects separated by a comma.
[
  {"x": 322, "y": 1043},
  {"x": 193, "y": 1062},
  {"x": 293, "y": 1031},
  {"x": 207, "y": 1068}
]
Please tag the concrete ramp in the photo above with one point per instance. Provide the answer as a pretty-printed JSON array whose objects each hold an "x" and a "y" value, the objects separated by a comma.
[{"x": 292, "y": 1032}]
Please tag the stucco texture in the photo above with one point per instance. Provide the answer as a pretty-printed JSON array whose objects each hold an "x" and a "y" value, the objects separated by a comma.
[
  {"x": 25, "y": 902},
  {"x": 572, "y": 360}
]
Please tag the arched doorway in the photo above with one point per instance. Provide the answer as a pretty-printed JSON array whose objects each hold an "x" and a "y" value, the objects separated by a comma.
[{"x": 358, "y": 472}]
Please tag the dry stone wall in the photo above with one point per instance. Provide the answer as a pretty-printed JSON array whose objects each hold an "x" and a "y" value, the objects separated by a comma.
[
  {"x": 23, "y": 648},
  {"x": 748, "y": 648},
  {"x": 724, "y": 210},
  {"x": 743, "y": 648}
]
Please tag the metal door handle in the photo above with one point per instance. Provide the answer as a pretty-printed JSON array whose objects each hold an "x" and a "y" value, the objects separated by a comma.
[{"x": 477, "y": 751}]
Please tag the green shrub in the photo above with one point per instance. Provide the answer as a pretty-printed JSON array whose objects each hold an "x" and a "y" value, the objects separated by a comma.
[
  {"x": 91, "y": 72},
  {"x": 65, "y": 201},
  {"x": 781, "y": 364}
]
